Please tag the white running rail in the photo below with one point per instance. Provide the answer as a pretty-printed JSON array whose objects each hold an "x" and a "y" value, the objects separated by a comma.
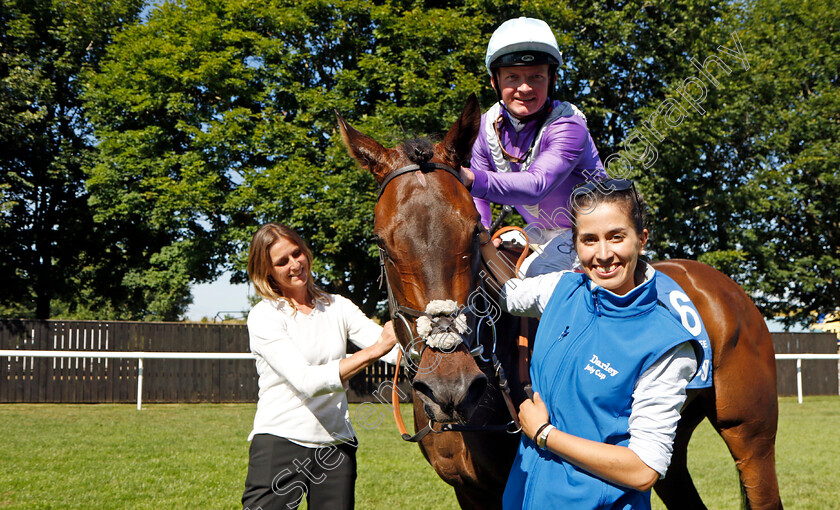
[
  {"x": 138, "y": 355},
  {"x": 141, "y": 355},
  {"x": 799, "y": 358}
]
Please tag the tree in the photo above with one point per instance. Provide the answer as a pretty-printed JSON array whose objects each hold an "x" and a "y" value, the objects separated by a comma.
[
  {"x": 750, "y": 186},
  {"x": 49, "y": 243},
  {"x": 214, "y": 117}
]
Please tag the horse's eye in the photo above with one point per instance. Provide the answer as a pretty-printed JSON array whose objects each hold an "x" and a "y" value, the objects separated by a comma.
[
  {"x": 382, "y": 249},
  {"x": 477, "y": 232}
]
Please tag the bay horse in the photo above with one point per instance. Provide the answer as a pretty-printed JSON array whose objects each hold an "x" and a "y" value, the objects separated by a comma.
[{"x": 427, "y": 227}]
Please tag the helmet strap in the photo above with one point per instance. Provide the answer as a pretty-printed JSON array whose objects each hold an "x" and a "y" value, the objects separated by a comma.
[
  {"x": 552, "y": 71},
  {"x": 541, "y": 113},
  {"x": 496, "y": 85}
]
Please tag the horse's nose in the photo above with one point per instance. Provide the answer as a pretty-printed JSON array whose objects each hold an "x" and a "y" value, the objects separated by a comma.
[
  {"x": 452, "y": 399},
  {"x": 475, "y": 390}
]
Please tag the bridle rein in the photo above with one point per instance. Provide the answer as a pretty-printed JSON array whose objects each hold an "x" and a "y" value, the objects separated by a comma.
[{"x": 405, "y": 314}]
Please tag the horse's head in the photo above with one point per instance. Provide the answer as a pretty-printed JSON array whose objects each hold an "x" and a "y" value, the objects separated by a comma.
[{"x": 427, "y": 226}]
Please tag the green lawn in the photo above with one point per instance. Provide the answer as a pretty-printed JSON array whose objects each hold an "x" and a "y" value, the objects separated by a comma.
[
  {"x": 196, "y": 456},
  {"x": 807, "y": 458}
]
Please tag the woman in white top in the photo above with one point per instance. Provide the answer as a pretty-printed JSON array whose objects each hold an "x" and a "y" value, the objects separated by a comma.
[{"x": 303, "y": 443}]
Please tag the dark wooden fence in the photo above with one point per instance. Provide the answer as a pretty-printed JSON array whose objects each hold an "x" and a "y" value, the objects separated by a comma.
[
  {"x": 819, "y": 377},
  {"x": 91, "y": 380}
]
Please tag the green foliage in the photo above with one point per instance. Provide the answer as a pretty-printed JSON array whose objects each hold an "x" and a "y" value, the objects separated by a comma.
[
  {"x": 47, "y": 233},
  {"x": 211, "y": 118},
  {"x": 243, "y": 97},
  {"x": 751, "y": 186},
  {"x": 727, "y": 261},
  {"x": 795, "y": 217},
  {"x": 214, "y": 118}
]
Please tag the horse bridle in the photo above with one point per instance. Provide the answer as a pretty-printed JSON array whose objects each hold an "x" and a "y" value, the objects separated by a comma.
[
  {"x": 426, "y": 167},
  {"x": 400, "y": 313}
]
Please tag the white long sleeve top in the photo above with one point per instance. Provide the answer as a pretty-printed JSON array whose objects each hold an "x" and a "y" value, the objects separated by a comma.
[
  {"x": 301, "y": 396},
  {"x": 658, "y": 395}
]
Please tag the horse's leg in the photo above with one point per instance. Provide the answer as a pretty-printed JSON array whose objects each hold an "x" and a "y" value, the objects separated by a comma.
[
  {"x": 745, "y": 410},
  {"x": 751, "y": 440},
  {"x": 754, "y": 454},
  {"x": 476, "y": 498},
  {"x": 746, "y": 416},
  {"x": 677, "y": 489}
]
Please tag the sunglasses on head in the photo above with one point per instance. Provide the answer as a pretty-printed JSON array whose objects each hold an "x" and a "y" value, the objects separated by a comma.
[{"x": 605, "y": 187}]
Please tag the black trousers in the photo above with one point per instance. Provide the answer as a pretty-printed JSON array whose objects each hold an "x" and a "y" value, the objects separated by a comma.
[{"x": 281, "y": 473}]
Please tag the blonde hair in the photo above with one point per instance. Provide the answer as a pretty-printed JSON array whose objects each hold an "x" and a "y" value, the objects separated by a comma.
[{"x": 259, "y": 264}]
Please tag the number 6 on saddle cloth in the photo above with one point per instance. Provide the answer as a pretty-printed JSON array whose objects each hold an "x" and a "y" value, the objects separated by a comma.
[{"x": 672, "y": 297}]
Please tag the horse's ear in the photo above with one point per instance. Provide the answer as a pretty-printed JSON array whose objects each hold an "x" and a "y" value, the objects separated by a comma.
[
  {"x": 364, "y": 149},
  {"x": 462, "y": 134}
]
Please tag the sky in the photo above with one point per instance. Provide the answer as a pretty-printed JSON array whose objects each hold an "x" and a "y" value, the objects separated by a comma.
[{"x": 220, "y": 296}]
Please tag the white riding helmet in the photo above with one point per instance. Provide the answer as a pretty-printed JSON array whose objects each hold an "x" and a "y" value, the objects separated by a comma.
[{"x": 522, "y": 42}]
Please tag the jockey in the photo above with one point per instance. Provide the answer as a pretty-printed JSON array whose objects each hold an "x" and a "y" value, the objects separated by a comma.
[{"x": 531, "y": 150}]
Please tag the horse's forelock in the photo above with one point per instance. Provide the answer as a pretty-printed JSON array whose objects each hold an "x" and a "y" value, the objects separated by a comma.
[{"x": 418, "y": 150}]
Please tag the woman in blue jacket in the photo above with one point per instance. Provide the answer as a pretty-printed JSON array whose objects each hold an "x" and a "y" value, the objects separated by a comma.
[{"x": 609, "y": 367}]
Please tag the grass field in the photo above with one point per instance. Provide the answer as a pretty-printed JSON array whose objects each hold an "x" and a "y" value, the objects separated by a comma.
[{"x": 196, "y": 456}]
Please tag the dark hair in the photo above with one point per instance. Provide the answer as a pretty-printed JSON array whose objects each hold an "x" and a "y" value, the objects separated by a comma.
[{"x": 586, "y": 197}]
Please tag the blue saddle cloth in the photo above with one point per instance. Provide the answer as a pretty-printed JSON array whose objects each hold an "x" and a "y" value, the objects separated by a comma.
[{"x": 678, "y": 303}]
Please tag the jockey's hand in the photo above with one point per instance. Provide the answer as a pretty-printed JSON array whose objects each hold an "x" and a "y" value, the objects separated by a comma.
[
  {"x": 499, "y": 268},
  {"x": 467, "y": 177},
  {"x": 484, "y": 237},
  {"x": 532, "y": 415}
]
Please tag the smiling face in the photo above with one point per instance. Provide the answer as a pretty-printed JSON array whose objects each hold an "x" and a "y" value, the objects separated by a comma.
[
  {"x": 609, "y": 246},
  {"x": 289, "y": 269},
  {"x": 524, "y": 89}
]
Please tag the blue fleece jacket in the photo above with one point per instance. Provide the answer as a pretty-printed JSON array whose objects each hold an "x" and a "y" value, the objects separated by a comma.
[{"x": 591, "y": 348}]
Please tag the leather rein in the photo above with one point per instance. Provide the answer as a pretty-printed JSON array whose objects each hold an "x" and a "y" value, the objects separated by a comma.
[{"x": 401, "y": 313}]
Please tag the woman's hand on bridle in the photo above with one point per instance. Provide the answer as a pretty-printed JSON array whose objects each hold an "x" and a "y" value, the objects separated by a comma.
[
  {"x": 532, "y": 415},
  {"x": 359, "y": 360},
  {"x": 388, "y": 339}
]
